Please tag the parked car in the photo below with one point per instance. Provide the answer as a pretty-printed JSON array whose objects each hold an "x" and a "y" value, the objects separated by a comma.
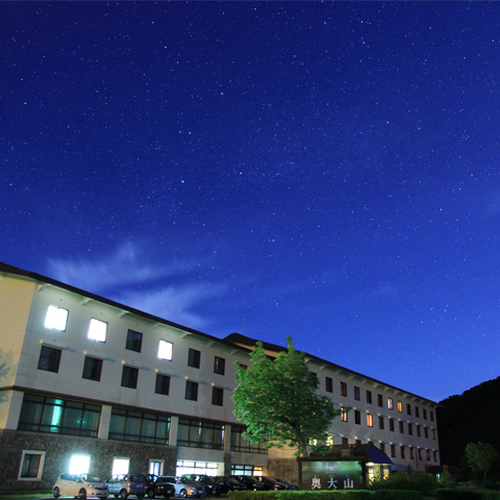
[
  {"x": 250, "y": 482},
  {"x": 208, "y": 482},
  {"x": 228, "y": 484},
  {"x": 270, "y": 484},
  {"x": 183, "y": 487},
  {"x": 288, "y": 484},
  {"x": 157, "y": 488},
  {"x": 124, "y": 485},
  {"x": 80, "y": 486}
]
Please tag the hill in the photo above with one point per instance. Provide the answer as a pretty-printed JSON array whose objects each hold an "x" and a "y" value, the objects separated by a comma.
[{"x": 471, "y": 417}]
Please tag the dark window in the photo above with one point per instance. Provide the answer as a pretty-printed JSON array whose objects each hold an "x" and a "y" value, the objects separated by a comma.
[
  {"x": 329, "y": 384},
  {"x": 410, "y": 428},
  {"x": 424, "y": 413},
  {"x": 92, "y": 368},
  {"x": 217, "y": 396},
  {"x": 59, "y": 416},
  {"x": 403, "y": 452},
  {"x": 380, "y": 422},
  {"x": 391, "y": 425},
  {"x": 131, "y": 425},
  {"x": 408, "y": 408},
  {"x": 343, "y": 389},
  {"x": 393, "y": 450},
  {"x": 134, "y": 341},
  {"x": 382, "y": 447},
  {"x": 369, "y": 397},
  {"x": 129, "y": 377},
  {"x": 345, "y": 440},
  {"x": 194, "y": 358},
  {"x": 426, "y": 432},
  {"x": 417, "y": 412},
  {"x": 432, "y": 416},
  {"x": 49, "y": 359},
  {"x": 401, "y": 427},
  {"x": 30, "y": 467},
  {"x": 418, "y": 430},
  {"x": 357, "y": 417},
  {"x": 191, "y": 390},
  {"x": 162, "y": 384},
  {"x": 380, "y": 400},
  {"x": 219, "y": 365},
  {"x": 357, "y": 393},
  {"x": 198, "y": 434},
  {"x": 239, "y": 443}
]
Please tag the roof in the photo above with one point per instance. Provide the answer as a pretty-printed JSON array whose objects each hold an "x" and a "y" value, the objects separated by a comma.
[
  {"x": 351, "y": 452},
  {"x": 243, "y": 341}
]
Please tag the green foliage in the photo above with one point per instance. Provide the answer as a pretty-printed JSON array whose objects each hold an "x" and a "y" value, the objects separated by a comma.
[
  {"x": 415, "y": 481},
  {"x": 466, "y": 494},
  {"x": 481, "y": 456},
  {"x": 277, "y": 400},
  {"x": 309, "y": 495},
  {"x": 397, "y": 495}
]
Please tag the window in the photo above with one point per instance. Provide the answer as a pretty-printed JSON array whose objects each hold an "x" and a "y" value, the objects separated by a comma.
[
  {"x": 343, "y": 414},
  {"x": 165, "y": 350},
  {"x": 412, "y": 453},
  {"x": 400, "y": 406},
  {"x": 391, "y": 425},
  {"x": 432, "y": 416},
  {"x": 433, "y": 433},
  {"x": 408, "y": 408},
  {"x": 380, "y": 422},
  {"x": 219, "y": 365},
  {"x": 358, "y": 442},
  {"x": 357, "y": 393},
  {"x": 31, "y": 465},
  {"x": 403, "y": 452},
  {"x": 426, "y": 432},
  {"x": 390, "y": 404},
  {"x": 393, "y": 450},
  {"x": 428, "y": 455},
  {"x": 369, "y": 397},
  {"x": 129, "y": 377},
  {"x": 330, "y": 440},
  {"x": 329, "y": 384},
  {"x": 134, "y": 341},
  {"x": 56, "y": 318},
  {"x": 357, "y": 417},
  {"x": 424, "y": 413},
  {"x": 382, "y": 447},
  {"x": 401, "y": 427},
  {"x": 144, "y": 427},
  {"x": 417, "y": 412},
  {"x": 79, "y": 464},
  {"x": 418, "y": 430},
  {"x": 198, "y": 434},
  {"x": 343, "y": 389},
  {"x": 162, "y": 384},
  {"x": 217, "y": 396},
  {"x": 345, "y": 440},
  {"x": 410, "y": 428},
  {"x": 194, "y": 358},
  {"x": 92, "y": 368},
  {"x": 380, "y": 400},
  {"x": 420, "y": 454},
  {"x": 435, "y": 456},
  {"x": 49, "y": 359},
  {"x": 59, "y": 416},
  {"x": 97, "y": 330},
  {"x": 121, "y": 465},
  {"x": 369, "y": 419},
  {"x": 239, "y": 443},
  {"x": 191, "y": 390},
  {"x": 156, "y": 466}
]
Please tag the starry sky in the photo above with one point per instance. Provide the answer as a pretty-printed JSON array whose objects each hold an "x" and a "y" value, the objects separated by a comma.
[{"x": 325, "y": 170}]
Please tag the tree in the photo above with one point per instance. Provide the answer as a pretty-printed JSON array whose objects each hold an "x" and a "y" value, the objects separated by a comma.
[
  {"x": 277, "y": 400},
  {"x": 481, "y": 456}
]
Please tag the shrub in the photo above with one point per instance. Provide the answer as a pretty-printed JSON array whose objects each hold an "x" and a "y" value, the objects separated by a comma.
[{"x": 414, "y": 481}]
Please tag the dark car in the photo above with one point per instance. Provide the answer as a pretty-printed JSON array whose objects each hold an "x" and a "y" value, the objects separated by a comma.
[
  {"x": 208, "y": 482},
  {"x": 228, "y": 484},
  {"x": 288, "y": 484},
  {"x": 270, "y": 484},
  {"x": 251, "y": 482},
  {"x": 158, "y": 488}
]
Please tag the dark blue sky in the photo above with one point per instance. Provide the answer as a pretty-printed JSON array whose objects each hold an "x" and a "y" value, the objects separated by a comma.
[{"x": 324, "y": 170}]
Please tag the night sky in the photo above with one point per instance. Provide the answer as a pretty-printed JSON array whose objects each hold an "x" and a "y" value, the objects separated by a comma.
[{"x": 328, "y": 171}]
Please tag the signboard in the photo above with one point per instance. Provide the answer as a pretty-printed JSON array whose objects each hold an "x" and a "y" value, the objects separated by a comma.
[{"x": 329, "y": 475}]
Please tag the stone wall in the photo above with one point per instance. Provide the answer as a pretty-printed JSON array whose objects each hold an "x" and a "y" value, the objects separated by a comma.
[
  {"x": 283, "y": 468},
  {"x": 59, "y": 450}
]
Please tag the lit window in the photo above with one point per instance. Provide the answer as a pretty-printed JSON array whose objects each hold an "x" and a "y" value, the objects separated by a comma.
[
  {"x": 120, "y": 466},
  {"x": 97, "y": 330},
  {"x": 162, "y": 384},
  {"x": 400, "y": 406},
  {"x": 49, "y": 359},
  {"x": 134, "y": 341},
  {"x": 357, "y": 393},
  {"x": 31, "y": 465},
  {"x": 330, "y": 440},
  {"x": 343, "y": 414},
  {"x": 369, "y": 419},
  {"x": 129, "y": 377},
  {"x": 92, "y": 368},
  {"x": 219, "y": 365},
  {"x": 165, "y": 350},
  {"x": 390, "y": 404},
  {"x": 79, "y": 464},
  {"x": 343, "y": 389},
  {"x": 217, "y": 396},
  {"x": 56, "y": 318},
  {"x": 194, "y": 358}
]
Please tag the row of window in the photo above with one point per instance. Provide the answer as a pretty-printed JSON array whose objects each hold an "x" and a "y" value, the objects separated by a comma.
[
  {"x": 50, "y": 358},
  {"x": 381, "y": 423},
  {"x": 380, "y": 399},
  {"x": 57, "y": 318},
  {"x": 62, "y": 416},
  {"x": 411, "y": 449}
]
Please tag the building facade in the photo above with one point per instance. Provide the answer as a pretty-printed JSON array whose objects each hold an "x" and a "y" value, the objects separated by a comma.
[{"x": 88, "y": 384}]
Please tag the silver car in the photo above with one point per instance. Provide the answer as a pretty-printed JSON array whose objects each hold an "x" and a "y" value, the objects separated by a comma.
[
  {"x": 183, "y": 487},
  {"x": 123, "y": 485},
  {"x": 79, "y": 486}
]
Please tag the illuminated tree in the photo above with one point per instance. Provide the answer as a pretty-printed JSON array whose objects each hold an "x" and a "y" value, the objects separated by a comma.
[
  {"x": 481, "y": 456},
  {"x": 278, "y": 402}
]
